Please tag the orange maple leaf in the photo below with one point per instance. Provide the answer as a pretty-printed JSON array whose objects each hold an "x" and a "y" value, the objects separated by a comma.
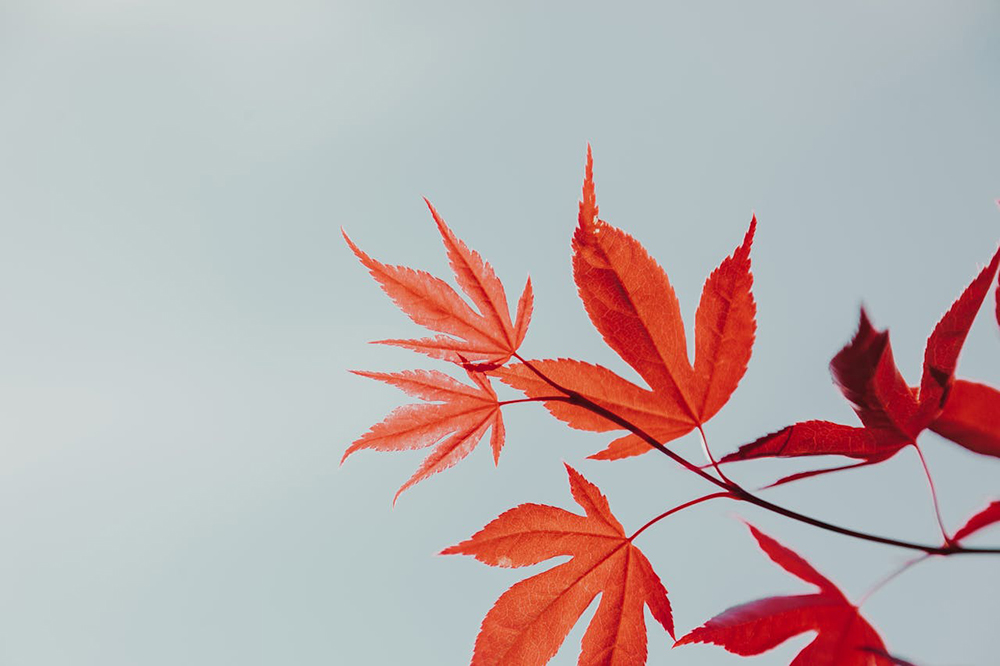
[
  {"x": 632, "y": 304},
  {"x": 530, "y": 621}
]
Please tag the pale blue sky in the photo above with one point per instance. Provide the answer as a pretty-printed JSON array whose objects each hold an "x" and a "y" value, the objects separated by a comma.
[{"x": 179, "y": 311}]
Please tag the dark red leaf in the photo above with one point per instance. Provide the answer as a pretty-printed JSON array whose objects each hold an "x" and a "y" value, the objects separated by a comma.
[
  {"x": 868, "y": 378},
  {"x": 820, "y": 438},
  {"x": 843, "y": 636},
  {"x": 894, "y": 414}
]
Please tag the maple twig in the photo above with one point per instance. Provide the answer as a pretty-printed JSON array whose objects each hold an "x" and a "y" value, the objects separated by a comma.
[
  {"x": 934, "y": 497},
  {"x": 739, "y": 493},
  {"x": 585, "y": 402},
  {"x": 892, "y": 576},
  {"x": 674, "y": 510}
]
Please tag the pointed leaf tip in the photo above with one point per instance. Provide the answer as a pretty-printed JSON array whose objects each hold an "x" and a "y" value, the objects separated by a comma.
[
  {"x": 438, "y": 220},
  {"x": 354, "y": 248},
  {"x": 588, "y": 203}
]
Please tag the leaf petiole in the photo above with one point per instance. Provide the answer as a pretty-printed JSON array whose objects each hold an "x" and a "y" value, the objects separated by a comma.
[{"x": 676, "y": 509}]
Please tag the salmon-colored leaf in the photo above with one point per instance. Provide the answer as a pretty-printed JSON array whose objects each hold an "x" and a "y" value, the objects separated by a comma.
[
  {"x": 530, "y": 621},
  {"x": 525, "y": 305},
  {"x": 427, "y": 300},
  {"x": 477, "y": 279},
  {"x": 971, "y": 417},
  {"x": 983, "y": 519},
  {"x": 452, "y": 449},
  {"x": 428, "y": 385},
  {"x": 443, "y": 347},
  {"x": 457, "y": 420},
  {"x": 469, "y": 337},
  {"x": 843, "y": 636}
]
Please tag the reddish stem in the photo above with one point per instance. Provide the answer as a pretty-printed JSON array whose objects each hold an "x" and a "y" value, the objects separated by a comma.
[
  {"x": 892, "y": 576},
  {"x": 711, "y": 458},
  {"x": 674, "y": 510},
  {"x": 934, "y": 497}
]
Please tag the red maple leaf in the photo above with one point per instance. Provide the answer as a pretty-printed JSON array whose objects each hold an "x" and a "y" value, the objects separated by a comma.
[
  {"x": 891, "y": 412},
  {"x": 843, "y": 636},
  {"x": 530, "y": 621},
  {"x": 488, "y": 336},
  {"x": 456, "y": 421},
  {"x": 632, "y": 304}
]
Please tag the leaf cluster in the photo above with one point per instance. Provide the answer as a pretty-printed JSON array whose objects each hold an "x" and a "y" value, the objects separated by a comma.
[{"x": 632, "y": 304}]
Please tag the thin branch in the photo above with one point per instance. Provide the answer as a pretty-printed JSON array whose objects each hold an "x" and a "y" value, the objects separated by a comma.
[
  {"x": 741, "y": 493},
  {"x": 583, "y": 401}
]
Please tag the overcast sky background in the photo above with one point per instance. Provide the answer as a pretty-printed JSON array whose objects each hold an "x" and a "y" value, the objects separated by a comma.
[{"x": 179, "y": 311}]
